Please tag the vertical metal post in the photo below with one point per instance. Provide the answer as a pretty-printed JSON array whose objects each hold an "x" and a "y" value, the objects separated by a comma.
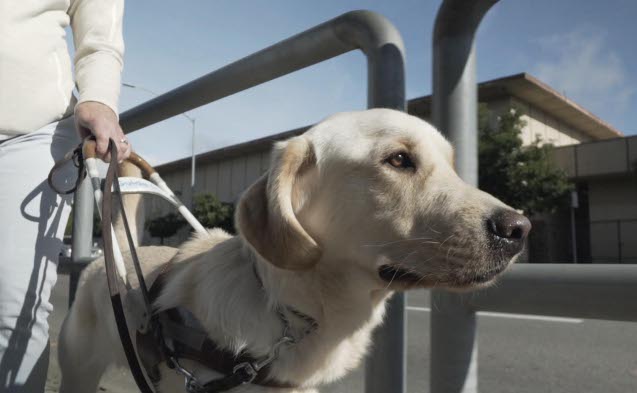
[
  {"x": 386, "y": 366},
  {"x": 574, "y": 205},
  {"x": 82, "y": 231},
  {"x": 573, "y": 235},
  {"x": 453, "y": 325},
  {"x": 454, "y": 349},
  {"x": 192, "y": 168},
  {"x": 619, "y": 240}
]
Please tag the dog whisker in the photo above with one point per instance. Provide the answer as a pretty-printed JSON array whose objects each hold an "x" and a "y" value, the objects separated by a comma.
[
  {"x": 397, "y": 241},
  {"x": 434, "y": 231},
  {"x": 407, "y": 256},
  {"x": 447, "y": 239},
  {"x": 430, "y": 242}
]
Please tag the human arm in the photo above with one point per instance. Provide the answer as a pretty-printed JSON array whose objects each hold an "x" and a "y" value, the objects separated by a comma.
[{"x": 99, "y": 48}]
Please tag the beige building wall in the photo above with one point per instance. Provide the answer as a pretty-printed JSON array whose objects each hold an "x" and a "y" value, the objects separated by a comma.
[
  {"x": 226, "y": 179},
  {"x": 612, "y": 198},
  {"x": 539, "y": 124},
  {"x": 547, "y": 128}
]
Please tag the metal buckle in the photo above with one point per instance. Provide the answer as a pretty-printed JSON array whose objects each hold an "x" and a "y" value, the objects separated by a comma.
[
  {"x": 192, "y": 385},
  {"x": 247, "y": 369},
  {"x": 77, "y": 156},
  {"x": 191, "y": 382}
]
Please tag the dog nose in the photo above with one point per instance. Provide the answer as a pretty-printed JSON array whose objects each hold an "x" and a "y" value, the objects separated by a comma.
[{"x": 509, "y": 225}]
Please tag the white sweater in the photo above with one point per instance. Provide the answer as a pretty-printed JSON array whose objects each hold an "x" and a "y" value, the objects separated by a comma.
[{"x": 36, "y": 81}]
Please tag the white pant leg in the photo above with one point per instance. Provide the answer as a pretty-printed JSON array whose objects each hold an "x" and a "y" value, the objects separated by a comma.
[{"x": 32, "y": 223}]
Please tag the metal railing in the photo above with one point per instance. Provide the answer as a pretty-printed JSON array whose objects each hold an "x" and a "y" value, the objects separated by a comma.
[
  {"x": 582, "y": 291},
  {"x": 382, "y": 44}
]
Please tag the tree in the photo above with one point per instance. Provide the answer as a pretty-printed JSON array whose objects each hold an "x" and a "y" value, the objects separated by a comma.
[
  {"x": 211, "y": 212},
  {"x": 521, "y": 176},
  {"x": 165, "y": 226},
  {"x": 208, "y": 210}
]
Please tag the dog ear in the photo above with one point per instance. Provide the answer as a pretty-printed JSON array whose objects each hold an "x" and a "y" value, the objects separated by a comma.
[{"x": 265, "y": 215}]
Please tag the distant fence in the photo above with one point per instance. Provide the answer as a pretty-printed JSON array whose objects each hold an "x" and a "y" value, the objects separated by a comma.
[
  {"x": 613, "y": 241},
  {"x": 597, "y": 241}
]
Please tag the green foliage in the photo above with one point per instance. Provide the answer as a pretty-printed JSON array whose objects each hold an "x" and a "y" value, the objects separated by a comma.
[
  {"x": 521, "y": 176},
  {"x": 213, "y": 213},
  {"x": 165, "y": 226},
  {"x": 210, "y": 212}
]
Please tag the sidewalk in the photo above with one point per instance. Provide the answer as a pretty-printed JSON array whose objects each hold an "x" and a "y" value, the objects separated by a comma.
[{"x": 116, "y": 380}]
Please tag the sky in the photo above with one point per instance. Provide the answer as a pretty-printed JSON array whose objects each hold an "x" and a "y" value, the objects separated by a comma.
[{"x": 584, "y": 49}]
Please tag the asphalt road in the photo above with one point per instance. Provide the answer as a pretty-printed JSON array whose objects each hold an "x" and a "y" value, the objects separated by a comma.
[{"x": 516, "y": 354}]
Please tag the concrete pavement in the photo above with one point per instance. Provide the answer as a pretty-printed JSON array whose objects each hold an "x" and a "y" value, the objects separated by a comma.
[{"x": 519, "y": 354}]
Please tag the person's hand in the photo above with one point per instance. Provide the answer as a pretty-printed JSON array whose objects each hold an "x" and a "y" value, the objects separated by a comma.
[{"x": 95, "y": 118}]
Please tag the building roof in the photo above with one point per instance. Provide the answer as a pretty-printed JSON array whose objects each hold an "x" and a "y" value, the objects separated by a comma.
[
  {"x": 537, "y": 93},
  {"x": 253, "y": 146},
  {"x": 522, "y": 86}
]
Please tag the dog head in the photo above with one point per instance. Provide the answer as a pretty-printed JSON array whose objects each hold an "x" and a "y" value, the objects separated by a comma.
[{"x": 377, "y": 190}]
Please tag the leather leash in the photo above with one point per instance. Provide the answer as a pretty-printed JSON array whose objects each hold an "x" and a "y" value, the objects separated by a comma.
[
  {"x": 111, "y": 271},
  {"x": 77, "y": 157},
  {"x": 171, "y": 334}
]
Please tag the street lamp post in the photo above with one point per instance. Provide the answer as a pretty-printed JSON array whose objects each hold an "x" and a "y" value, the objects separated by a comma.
[
  {"x": 192, "y": 123},
  {"x": 192, "y": 163}
]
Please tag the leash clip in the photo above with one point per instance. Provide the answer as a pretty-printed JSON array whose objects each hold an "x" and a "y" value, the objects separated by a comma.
[
  {"x": 247, "y": 370},
  {"x": 192, "y": 385},
  {"x": 191, "y": 382},
  {"x": 250, "y": 370},
  {"x": 77, "y": 157}
]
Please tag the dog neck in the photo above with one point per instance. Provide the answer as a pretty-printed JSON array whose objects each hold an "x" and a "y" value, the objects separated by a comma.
[
  {"x": 331, "y": 290},
  {"x": 342, "y": 300},
  {"x": 239, "y": 311}
]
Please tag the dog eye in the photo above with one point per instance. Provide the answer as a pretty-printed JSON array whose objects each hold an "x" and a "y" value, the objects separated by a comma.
[{"x": 400, "y": 160}]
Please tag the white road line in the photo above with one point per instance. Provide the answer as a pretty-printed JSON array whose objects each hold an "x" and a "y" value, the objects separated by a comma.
[{"x": 510, "y": 316}]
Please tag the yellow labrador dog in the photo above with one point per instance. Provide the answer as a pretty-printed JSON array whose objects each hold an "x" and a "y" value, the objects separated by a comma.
[{"x": 361, "y": 205}]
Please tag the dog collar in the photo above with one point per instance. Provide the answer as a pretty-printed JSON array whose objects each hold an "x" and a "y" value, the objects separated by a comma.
[
  {"x": 181, "y": 336},
  {"x": 311, "y": 323}
]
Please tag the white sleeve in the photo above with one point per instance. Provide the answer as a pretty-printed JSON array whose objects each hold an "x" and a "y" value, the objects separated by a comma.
[{"x": 99, "y": 49}]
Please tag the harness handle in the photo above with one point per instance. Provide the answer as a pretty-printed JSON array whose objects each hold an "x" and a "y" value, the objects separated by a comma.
[{"x": 89, "y": 150}]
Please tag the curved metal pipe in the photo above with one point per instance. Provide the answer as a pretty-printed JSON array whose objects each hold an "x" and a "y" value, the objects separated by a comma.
[
  {"x": 455, "y": 95},
  {"x": 454, "y": 108},
  {"x": 364, "y": 30}
]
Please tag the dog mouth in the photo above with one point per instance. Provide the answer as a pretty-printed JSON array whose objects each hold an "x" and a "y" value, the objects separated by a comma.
[
  {"x": 407, "y": 277},
  {"x": 395, "y": 274},
  {"x": 479, "y": 278}
]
